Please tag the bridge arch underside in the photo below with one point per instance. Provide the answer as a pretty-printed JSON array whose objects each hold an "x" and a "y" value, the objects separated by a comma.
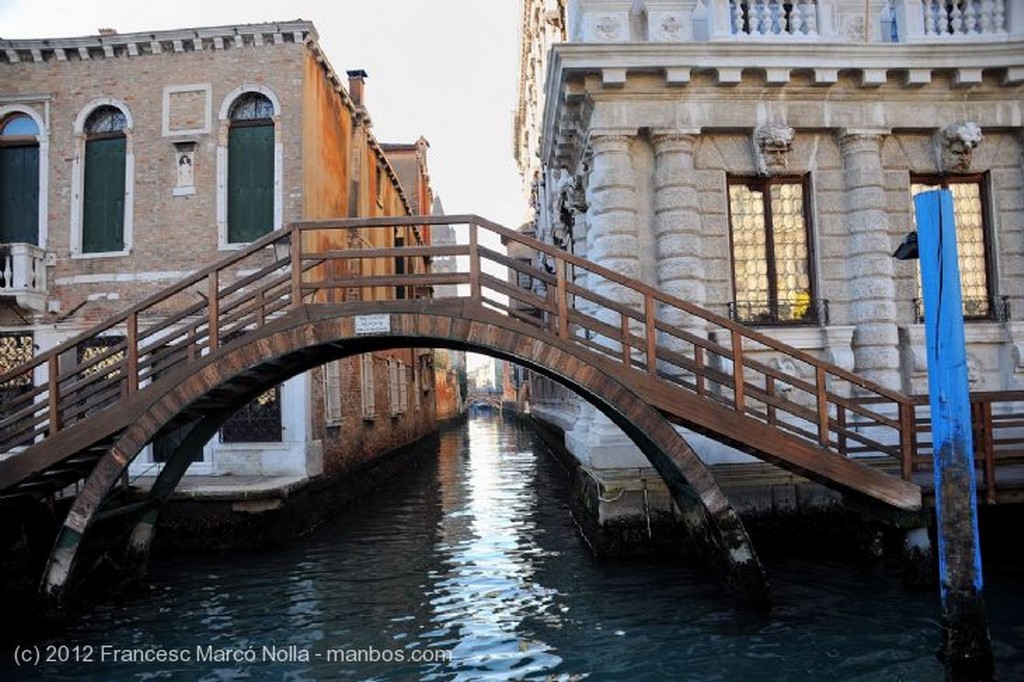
[{"x": 319, "y": 333}]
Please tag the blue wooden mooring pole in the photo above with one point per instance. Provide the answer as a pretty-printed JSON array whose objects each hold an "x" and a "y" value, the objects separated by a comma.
[{"x": 966, "y": 644}]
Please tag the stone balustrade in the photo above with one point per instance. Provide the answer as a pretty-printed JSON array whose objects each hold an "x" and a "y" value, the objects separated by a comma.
[
  {"x": 874, "y": 21},
  {"x": 23, "y": 274}
]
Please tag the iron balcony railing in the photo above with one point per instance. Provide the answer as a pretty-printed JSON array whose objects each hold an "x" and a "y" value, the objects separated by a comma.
[
  {"x": 758, "y": 313},
  {"x": 992, "y": 308}
]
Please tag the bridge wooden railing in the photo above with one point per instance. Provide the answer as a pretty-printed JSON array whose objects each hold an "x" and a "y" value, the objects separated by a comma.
[
  {"x": 639, "y": 327},
  {"x": 644, "y": 329},
  {"x": 997, "y": 419}
]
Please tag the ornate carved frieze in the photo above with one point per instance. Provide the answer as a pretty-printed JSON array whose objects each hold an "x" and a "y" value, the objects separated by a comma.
[
  {"x": 955, "y": 145},
  {"x": 771, "y": 145}
]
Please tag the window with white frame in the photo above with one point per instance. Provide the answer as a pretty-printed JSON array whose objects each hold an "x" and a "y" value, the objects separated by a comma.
[
  {"x": 103, "y": 180},
  {"x": 19, "y": 179},
  {"x": 366, "y": 384},
  {"x": 332, "y": 392},
  {"x": 398, "y": 387},
  {"x": 249, "y": 166}
]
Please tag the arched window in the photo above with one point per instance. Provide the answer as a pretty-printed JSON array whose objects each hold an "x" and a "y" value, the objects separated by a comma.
[
  {"x": 103, "y": 187},
  {"x": 250, "y": 181},
  {"x": 19, "y": 180}
]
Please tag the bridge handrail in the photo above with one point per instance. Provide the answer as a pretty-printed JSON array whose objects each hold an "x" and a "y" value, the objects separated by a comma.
[
  {"x": 97, "y": 382},
  {"x": 829, "y": 414}
]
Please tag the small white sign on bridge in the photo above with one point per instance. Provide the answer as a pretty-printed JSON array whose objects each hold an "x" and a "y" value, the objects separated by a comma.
[{"x": 373, "y": 324}]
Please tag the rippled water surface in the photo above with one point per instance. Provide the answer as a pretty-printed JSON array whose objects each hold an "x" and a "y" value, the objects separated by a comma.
[{"x": 473, "y": 556}]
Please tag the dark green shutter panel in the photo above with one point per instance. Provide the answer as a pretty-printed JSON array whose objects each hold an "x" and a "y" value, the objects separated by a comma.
[
  {"x": 250, "y": 182},
  {"x": 103, "y": 219},
  {"x": 19, "y": 194}
]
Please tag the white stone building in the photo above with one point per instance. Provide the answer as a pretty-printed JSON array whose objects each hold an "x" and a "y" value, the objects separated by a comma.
[{"x": 762, "y": 155}]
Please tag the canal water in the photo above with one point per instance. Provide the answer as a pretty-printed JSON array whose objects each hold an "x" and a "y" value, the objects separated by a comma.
[{"x": 470, "y": 568}]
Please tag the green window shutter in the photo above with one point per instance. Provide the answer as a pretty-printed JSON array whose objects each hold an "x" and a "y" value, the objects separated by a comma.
[
  {"x": 19, "y": 194},
  {"x": 103, "y": 205},
  {"x": 250, "y": 182}
]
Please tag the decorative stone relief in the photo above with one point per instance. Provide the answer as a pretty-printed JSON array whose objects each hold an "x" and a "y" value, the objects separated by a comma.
[
  {"x": 569, "y": 204},
  {"x": 609, "y": 29},
  {"x": 975, "y": 371},
  {"x": 955, "y": 145},
  {"x": 604, "y": 21},
  {"x": 772, "y": 143},
  {"x": 670, "y": 21}
]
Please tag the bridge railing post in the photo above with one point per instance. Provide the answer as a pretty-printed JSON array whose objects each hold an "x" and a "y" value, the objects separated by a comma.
[
  {"x": 651, "y": 332},
  {"x": 907, "y": 437},
  {"x": 296, "y": 266},
  {"x": 738, "y": 387},
  {"x": 563, "y": 299},
  {"x": 821, "y": 386},
  {"x": 53, "y": 393},
  {"x": 132, "y": 353},
  {"x": 213, "y": 310},
  {"x": 474, "y": 263}
]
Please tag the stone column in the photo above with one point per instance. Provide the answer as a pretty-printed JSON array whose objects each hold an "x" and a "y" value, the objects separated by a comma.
[
  {"x": 612, "y": 239},
  {"x": 677, "y": 226},
  {"x": 872, "y": 289},
  {"x": 613, "y": 233}
]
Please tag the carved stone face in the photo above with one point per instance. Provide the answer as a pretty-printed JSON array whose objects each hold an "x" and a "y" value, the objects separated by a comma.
[
  {"x": 956, "y": 144},
  {"x": 772, "y": 143}
]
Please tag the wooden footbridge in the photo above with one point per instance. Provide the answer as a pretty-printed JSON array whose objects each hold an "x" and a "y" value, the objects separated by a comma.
[{"x": 184, "y": 359}]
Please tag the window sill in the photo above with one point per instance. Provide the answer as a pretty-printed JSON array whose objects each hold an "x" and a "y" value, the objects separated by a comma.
[{"x": 81, "y": 255}]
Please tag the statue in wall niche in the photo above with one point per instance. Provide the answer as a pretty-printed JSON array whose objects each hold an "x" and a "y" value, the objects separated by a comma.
[
  {"x": 955, "y": 145},
  {"x": 569, "y": 206},
  {"x": 772, "y": 143}
]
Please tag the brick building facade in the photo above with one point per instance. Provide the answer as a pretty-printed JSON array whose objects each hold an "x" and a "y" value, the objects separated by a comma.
[{"x": 128, "y": 161}]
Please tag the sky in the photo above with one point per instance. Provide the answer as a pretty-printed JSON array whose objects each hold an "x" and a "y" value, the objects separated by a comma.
[{"x": 443, "y": 69}]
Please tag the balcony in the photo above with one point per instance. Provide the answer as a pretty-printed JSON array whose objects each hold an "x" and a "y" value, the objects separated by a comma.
[
  {"x": 891, "y": 21},
  {"x": 23, "y": 275}
]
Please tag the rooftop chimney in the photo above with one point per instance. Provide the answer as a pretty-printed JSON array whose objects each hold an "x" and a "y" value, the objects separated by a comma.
[
  {"x": 355, "y": 86},
  {"x": 108, "y": 32}
]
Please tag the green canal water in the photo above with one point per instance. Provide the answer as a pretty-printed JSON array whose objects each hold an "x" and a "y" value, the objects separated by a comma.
[{"x": 470, "y": 568}]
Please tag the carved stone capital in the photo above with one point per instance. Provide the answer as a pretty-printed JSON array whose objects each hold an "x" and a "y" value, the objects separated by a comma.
[
  {"x": 669, "y": 142},
  {"x": 858, "y": 140},
  {"x": 955, "y": 145},
  {"x": 609, "y": 143},
  {"x": 771, "y": 145}
]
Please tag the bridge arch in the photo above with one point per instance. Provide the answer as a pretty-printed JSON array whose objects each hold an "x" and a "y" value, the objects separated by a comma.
[{"x": 313, "y": 334}]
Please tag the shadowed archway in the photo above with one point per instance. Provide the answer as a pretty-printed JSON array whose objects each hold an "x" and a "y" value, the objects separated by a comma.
[{"x": 313, "y": 334}]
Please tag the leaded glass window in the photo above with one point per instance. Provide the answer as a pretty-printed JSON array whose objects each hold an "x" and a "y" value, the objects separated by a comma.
[
  {"x": 105, "y": 120},
  {"x": 15, "y": 350},
  {"x": 771, "y": 251},
  {"x": 252, "y": 106},
  {"x": 969, "y": 201}
]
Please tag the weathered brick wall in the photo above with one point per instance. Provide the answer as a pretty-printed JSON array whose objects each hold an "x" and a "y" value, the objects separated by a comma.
[
  {"x": 172, "y": 234},
  {"x": 357, "y": 440}
]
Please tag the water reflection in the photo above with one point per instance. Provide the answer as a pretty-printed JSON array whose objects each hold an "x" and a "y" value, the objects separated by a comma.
[
  {"x": 487, "y": 587},
  {"x": 474, "y": 552}
]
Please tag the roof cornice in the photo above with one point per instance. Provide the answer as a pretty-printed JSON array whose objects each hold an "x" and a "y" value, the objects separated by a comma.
[{"x": 39, "y": 50}]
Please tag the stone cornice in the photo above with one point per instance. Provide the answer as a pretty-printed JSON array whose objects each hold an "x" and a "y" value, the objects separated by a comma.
[
  {"x": 114, "y": 45},
  {"x": 770, "y": 64}
]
